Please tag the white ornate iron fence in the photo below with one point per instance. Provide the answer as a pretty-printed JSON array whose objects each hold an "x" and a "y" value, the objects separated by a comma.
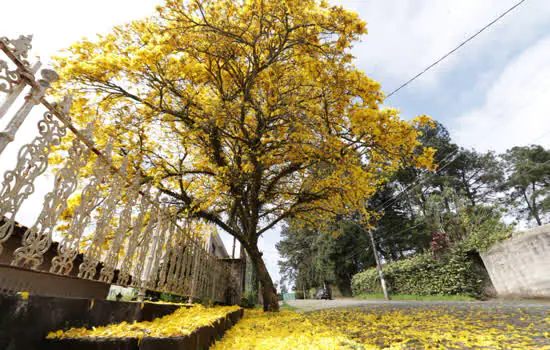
[{"x": 146, "y": 247}]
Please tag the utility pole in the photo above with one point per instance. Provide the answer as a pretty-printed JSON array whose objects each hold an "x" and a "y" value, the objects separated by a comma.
[{"x": 380, "y": 273}]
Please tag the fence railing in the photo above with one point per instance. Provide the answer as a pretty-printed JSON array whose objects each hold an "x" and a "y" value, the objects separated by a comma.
[{"x": 121, "y": 230}]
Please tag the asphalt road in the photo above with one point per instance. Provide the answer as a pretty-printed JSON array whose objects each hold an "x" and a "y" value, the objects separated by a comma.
[
  {"x": 519, "y": 324},
  {"x": 314, "y": 305}
]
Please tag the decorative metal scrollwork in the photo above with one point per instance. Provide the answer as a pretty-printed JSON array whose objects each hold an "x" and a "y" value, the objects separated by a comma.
[
  {"x": 66, "y": 103},
  {"x": 38, "y": 239},
  {"x": 32, "y": 99},
  {"x": 175, "y": 258},
  {"x": 187, "y": 266},
  {"x": 166, "y": 257},
  {"x": 145, "y": 247},
  {"x": 20, "y": 48},
  {"x": 180, "y": 246},
  {"x": 9, "y": 78},
  {"x": 92, "y": 255},
  {"x": 133, "y": 241},
  {"x": 151, "y": 250},
  {"x": 32, "y": 160},
  {"x": 110, "y": 264},
  {"x": 154, "y": 262},
  {"x": 90, "y": 197}
]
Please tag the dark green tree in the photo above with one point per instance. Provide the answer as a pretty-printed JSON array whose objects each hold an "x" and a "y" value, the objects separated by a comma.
[
  {"x": 417, "y": 206},
  {"x": 528, "y": 182},
  {"x": 400, "y": 231},
  {"x": 477, "y": 176},
  {"x": 311, "y": 257}
]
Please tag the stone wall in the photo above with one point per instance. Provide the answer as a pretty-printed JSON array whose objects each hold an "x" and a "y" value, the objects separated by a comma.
[{"x": 520, "y": 266}]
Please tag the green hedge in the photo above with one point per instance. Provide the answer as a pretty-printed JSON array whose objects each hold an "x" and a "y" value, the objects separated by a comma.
[{"x": 423, "y": 274}]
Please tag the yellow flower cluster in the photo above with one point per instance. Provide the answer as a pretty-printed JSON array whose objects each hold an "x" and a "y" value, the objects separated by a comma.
[
  {"x": 283, "y": 330},
  {"x": 182, "y": 322},
  {"x": 441, "y": 327},
  {"x": 209, "y": 114}
]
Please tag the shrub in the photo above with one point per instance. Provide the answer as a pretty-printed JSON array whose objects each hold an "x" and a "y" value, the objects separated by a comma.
[
  {"x": 423, "y": 274},
  {"x": 246, "y": 303}
]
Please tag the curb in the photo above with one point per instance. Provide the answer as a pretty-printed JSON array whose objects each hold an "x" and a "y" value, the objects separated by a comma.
[{"x": 200, "y": 339}]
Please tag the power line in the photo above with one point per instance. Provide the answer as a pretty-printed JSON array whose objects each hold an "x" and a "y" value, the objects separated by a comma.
[
  {"x": 417, "y": 182},
  {"x": 443, "y": 165},
  {"x": 390, "y": 201},
  {"x": 414, "y": 184},
  {"x": 456, "y": 48},
  {"x": 546, "y": 162}
]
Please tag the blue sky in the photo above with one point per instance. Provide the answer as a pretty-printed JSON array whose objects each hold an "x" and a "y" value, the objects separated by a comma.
[
  {"x": 492, "y": 94},
  {"x": 487, "y": 87}
]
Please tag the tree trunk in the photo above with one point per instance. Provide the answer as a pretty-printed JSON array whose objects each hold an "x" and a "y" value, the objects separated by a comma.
[
  {"x": 269, "y": 293},
  {"x": 535, "y": 209},
  {"x": 531, "y": 206}
]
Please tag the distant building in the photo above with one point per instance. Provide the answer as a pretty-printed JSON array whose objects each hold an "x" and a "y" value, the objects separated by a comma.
[{"x": 215, "y": 246}]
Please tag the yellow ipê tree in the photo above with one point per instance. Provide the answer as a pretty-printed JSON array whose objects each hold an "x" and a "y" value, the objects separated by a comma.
[{"x": 244, "y": 113}]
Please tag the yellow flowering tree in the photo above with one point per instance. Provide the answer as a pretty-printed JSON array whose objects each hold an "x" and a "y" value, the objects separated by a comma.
[{"x": 244, "y": 113}]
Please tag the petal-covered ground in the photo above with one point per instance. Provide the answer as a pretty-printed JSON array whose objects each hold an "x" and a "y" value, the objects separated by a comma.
[
  {"x": 182, "y": 322},
  {"x": 284, "y": 330},
  {"x": 419, "y": 326}
]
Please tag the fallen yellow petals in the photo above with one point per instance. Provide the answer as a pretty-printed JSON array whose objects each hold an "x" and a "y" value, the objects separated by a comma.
[
  {"x": 283, "y": 330},
  {"x": 182, "y": 322},
  {"x": 436, "y": 327}
]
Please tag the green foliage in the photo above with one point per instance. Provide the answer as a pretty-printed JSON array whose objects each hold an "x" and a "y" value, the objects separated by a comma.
[
  {"x": 312, "y": 256},
  {"x": 172, "y": 298},
  {"x": 433, "y": 202},
  {"x": 528, "y": 182},
  {"x": 287, "y": 306},
  {"x": 247, "y": 303},
  {"x": 449, "y": 271},
  {"x": 484, "y": 228},
  {"x": 207, "y": 302},
  {"x": 423, "y": 274},
  {"x": 399, "y": 230}
]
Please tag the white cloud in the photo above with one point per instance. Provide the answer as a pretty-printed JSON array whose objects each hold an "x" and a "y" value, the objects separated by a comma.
[
  {"x": 516, "y": 106},
  {"x": 406, "y": 36}
]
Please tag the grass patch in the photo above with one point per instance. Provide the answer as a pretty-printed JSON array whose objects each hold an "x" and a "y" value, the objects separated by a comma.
[
  {"x": 414, "y": 297},
  {"x": 287, "y": 306}
]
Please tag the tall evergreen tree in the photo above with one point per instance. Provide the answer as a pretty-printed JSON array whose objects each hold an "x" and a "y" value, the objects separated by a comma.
[
  {"x": 528, "y": 182},
  {"x": 312, "y": 257}
]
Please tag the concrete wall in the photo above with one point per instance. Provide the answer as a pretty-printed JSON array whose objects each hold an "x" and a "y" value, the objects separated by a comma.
[{"x": 520, "y": 266}]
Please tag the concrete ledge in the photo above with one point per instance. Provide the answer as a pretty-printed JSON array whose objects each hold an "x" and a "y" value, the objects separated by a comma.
[
  {"x": 17, "y": 279},
  {"x": 202, "y": 338},
  {"x": 25, "y": 323}
]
